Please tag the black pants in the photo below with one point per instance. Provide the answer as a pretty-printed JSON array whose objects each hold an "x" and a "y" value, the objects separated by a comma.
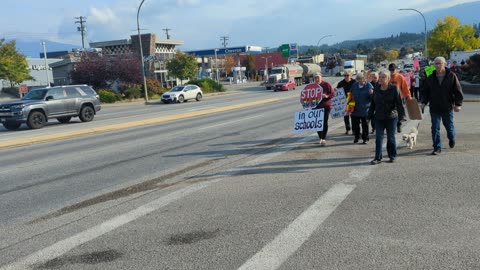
[
  {"x": 323, "y": 134},
  {"x": 356, "y": 121},
  {"x": 414, "y": 91},
  {"x": 346, "y": 119}
]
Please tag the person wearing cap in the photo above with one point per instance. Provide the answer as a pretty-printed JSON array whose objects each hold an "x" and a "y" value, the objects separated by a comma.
[
  {"x": 346, "y": 84},
  {"x": 442, "y": 90},
  {"x": 398, "y": 80},
  {"x": 326, "y": 104}
]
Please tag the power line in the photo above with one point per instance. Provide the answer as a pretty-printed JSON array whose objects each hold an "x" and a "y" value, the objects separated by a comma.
[{"x": 82, "y": 29}]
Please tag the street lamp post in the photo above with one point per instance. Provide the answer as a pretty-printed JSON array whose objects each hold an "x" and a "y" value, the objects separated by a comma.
[
  {"x": 46, "y": 63},
  {"x": 141, "y": 54},
  {"x": 266, "y": 65},
  {"x": 425, "y": 24},
  {"x": 216, "y": 65},
  {"x": 321, "y": 40}
]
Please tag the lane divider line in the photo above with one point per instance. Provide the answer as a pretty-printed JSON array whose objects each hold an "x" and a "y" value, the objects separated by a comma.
[
  {"x": 275, "y": 253},
  {"x": 138, "y": 123}
]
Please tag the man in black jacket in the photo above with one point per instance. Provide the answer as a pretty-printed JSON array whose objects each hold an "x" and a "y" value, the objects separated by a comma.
[
  {"x": 442, "y": 90},
  {"x": 346, "y": 84}
]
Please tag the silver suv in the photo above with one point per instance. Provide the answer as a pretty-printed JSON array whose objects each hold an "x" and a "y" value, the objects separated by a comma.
[{"x": 60, "y": 102}]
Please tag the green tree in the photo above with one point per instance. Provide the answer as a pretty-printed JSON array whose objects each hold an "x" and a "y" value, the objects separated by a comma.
[
  {"x": 13, "y": 65},
  {"x": 392, "y": 55},
  {"x": 249, "y": 64},
  {"x": 449, "y": 35},
  {"x": 378, "y": 55},
  {"x": 183, "y": 66}
]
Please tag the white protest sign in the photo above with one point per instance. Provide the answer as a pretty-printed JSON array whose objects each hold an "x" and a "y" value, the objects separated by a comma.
[
  {"x": 339, "y": 103},
  {"x": 311, "y": 120}
]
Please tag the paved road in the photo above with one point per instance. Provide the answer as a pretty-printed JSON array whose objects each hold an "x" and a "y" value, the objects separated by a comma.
[{"x": 288, "y": 204}]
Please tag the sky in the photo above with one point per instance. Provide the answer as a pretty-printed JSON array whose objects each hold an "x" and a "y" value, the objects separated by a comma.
[{"x": 202, "y": 23}]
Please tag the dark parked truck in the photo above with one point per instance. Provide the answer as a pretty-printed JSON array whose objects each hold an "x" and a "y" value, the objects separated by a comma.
[
  {"x": 297, "y": 73},
  {"x": 60, "y": 102}
]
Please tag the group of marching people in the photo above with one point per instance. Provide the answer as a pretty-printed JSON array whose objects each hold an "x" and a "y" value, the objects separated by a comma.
[{"x": 378, "y": 98}]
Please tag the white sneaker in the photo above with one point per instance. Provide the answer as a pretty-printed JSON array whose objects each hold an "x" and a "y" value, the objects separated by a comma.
[{"x": 323, "y": 142}]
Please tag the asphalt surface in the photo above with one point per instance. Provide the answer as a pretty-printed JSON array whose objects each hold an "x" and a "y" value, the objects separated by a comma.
[{"x": 292, "y": 205}]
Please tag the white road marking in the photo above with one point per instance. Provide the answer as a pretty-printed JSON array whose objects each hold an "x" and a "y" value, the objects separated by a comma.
[
  {"x": 289, "y": 240},
  {"x": 58, "y": 249}
]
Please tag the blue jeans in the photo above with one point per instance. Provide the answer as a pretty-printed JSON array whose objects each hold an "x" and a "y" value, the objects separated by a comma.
[
  {"x": 447, "y": 119},
  {"x": 390, "y": 125}
]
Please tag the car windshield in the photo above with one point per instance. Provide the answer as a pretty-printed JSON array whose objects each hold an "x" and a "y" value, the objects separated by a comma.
[
  {"x": 283, "y": 81},
  {"x": 35, "y": 94},
  {"x": 177, "y": 89},
  {"x": 276, "y": 71}
]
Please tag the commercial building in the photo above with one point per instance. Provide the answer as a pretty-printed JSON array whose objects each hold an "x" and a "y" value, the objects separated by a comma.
[{"x": 38, "y": 71}]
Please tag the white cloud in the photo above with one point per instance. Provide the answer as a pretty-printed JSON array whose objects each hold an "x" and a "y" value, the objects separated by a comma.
[{"x": 103, "y": 16}]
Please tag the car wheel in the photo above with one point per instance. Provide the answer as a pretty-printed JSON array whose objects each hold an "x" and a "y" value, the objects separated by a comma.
[
  {"x": 86, "y": 114},
  {"x": 181, "y": 99},
  {"x": 36, "y": 120},
  {"x": 64, "y": 120},
  {"x": 11, "y": 125},
  {"x": 199, "y": 97}
]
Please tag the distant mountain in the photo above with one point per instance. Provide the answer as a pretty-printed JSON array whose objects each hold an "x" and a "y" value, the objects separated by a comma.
[
  {"x": 467, "y": 13},
  {"x": 34, "y": 48}
]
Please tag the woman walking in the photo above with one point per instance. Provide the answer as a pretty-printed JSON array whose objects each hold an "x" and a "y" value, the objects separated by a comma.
[
  {"x": 326, "y": 104},
  {"x": 362, "y": 94},
  {"x": 386, "y": 110}
]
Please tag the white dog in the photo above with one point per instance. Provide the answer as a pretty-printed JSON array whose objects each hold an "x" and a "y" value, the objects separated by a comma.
[{"x": 411, "y": 138}]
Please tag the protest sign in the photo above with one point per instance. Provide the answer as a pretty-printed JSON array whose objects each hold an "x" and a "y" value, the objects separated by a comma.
[
  {"x": 311, "y": 95},
  {"x": 308, "y": 121},
  {"x": 339, "y": 102}
]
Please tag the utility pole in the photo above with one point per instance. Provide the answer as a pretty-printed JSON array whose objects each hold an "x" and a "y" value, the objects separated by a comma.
[
  {"x": 225, "y": 41},
  {"x": 166, "y": 32},
  {"x": 82, "y": 29}
]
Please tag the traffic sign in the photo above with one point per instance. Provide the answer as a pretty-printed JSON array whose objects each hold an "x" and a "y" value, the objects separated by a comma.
[
  {"x": 311, "y": 95},
  {"x": 23, "y": 88}
]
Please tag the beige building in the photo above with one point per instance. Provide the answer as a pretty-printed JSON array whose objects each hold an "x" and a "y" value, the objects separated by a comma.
[{"x": 156, "y": 53}]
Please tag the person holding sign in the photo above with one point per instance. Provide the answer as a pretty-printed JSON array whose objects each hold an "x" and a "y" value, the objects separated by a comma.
[
  {"x": 386, "y": 110},
  {"x": 362, "y": 92},
  {"x": 346, "y": 84},
  {"x": 325, "y": 103}
]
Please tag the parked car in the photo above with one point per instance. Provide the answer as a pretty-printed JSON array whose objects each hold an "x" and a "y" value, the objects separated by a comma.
[
  {"x": 60, "y": 102},
  {"x": 181, "y": 93},
  {"x": 284, "y": 85},
  {"x": 407, "y": 67}
]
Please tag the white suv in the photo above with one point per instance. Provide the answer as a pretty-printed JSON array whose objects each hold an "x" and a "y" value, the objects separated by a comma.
[{"x": 181, "y": 93}]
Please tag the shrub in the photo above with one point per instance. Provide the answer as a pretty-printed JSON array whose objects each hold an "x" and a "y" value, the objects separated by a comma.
[
  {"x": 132, "y": 91},
  {"x": 208, "y": 85},
  {"x": 154, "y": 87},
  {"x": 107, "y": 96}
]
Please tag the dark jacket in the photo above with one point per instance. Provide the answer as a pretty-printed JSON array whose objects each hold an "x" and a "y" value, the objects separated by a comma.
[
  {"x": 326, "y": 102},
  {"x": 346, "y": 85},
  {"x": 386, "y": 104},
  {"x": 443, "y": 96},
  {"x": 362, "y": 98}
]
